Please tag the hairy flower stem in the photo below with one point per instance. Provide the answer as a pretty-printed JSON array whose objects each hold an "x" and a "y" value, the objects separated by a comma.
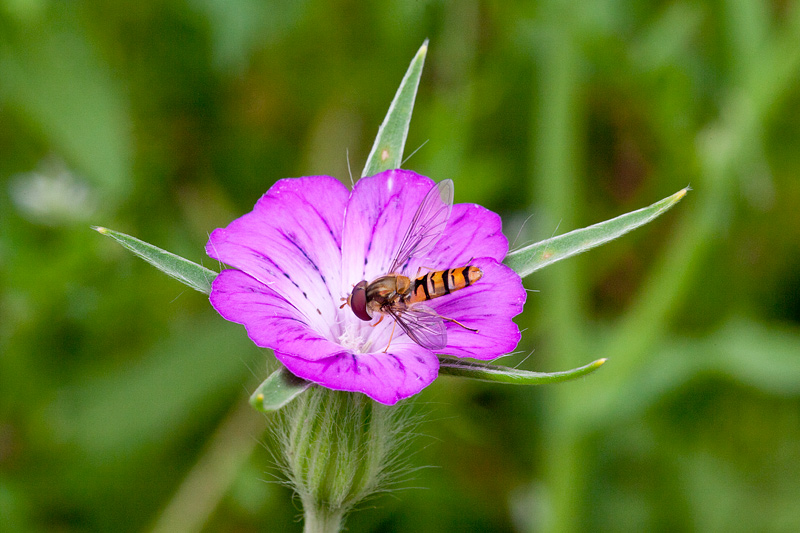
[
  {"x": 320, "y": 520},
  {"x": 338, "y": 448}
]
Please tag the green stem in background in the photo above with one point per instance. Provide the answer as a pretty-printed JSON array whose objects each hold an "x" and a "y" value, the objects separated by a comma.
[
  {"x": 553, "y": 155},
  {"x": 213, "y": 474}
]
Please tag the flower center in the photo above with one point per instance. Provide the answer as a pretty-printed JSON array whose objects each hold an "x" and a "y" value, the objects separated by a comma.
[{"x": 352, "y": 339}]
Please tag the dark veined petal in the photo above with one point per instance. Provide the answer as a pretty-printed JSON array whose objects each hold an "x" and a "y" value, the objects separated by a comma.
[
  {"x": 473, "y": 231},
  {"x": 270, "y": 320},
  {"x": 488, "y": 306},
  {"x": 291, "y": 241},
  {"x": 378, "y": 215},
  {"x": 405, "y": 370}
]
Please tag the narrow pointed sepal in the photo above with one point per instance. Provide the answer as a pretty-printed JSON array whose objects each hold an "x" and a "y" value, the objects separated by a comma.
[
  {"x": 280, "y": 388},
  {"x": 531, "y": 258},
  {"x": 502, "y": 374},
  {"x": 387, "y": 151},
  {"x": 195, "y": 276}
]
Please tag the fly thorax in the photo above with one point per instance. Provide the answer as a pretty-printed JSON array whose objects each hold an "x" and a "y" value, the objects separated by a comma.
[
  {"x": 382, "y": 289},
  {"x": 403, "y": 285}
]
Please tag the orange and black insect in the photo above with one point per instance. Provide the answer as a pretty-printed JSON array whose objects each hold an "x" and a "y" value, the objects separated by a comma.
[{"x": 402, "y": 297}]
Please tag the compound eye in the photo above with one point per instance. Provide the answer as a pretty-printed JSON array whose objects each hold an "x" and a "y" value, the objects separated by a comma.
[{"x": 358, "y": 301}]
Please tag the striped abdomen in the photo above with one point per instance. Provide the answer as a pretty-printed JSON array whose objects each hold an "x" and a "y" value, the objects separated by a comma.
[{"x": 442, "y": 282}]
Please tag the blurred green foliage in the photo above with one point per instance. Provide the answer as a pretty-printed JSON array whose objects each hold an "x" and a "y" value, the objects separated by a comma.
[{"x": 123, "y": 395}]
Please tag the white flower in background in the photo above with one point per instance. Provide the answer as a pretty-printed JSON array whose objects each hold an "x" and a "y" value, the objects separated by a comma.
[{"x": 52, "y": 195}]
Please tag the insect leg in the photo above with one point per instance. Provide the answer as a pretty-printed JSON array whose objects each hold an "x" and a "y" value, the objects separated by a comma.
[
  {"x": 454, "y": 321},
  {"x": 394, "y": 323}
]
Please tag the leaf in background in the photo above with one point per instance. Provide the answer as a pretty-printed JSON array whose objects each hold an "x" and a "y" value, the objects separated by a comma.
[
  {"x": 177, "y": 385},
  {"x": 240, "y": 27},
  {"x": 761, "y": 356},
  {"x": 536, "y": 256},
  {"x": 55, "y": 82},
  {"x": 195, "y": 276},
  {"x": 277, "y": 390},
  {"x": 387, "y": 152},
  {"x": 502, "y": 374}
]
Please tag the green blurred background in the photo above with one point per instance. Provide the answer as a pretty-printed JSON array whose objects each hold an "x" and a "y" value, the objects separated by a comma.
[{"x": 123, "y": 394}]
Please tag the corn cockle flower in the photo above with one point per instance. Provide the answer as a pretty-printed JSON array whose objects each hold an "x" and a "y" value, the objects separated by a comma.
[
  {"x": 308, "y": 244},
  {"x": 309, "y": 240}
]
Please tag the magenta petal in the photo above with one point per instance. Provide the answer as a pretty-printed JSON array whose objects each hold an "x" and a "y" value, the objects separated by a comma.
[
  {"x": 291, "y": 241},
  {"x": 270, "y": 321},
  {"x": 378, "y": 215},
  {"x": 385, "y": 377},
  {"x": 473, "y": 231},
  {"x": 489, "y": 306}
]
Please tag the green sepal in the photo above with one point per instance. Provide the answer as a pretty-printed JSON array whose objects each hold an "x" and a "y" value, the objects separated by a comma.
[
  {"x": 502, "y": 374},
  {"x": 387, "y": 151},
  {"x": 280, "y": 388},
  {"x": 195, "y": 276},
  {"x": 531, "y": 258}
]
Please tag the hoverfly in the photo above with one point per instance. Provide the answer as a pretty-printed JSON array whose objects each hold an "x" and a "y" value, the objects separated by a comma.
[{"x": 402, "y": 297}]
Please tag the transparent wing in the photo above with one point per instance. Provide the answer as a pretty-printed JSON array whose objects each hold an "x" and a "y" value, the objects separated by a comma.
[
  {"x": 427, "y": 225},
  {"x": 422, "y": 325}
]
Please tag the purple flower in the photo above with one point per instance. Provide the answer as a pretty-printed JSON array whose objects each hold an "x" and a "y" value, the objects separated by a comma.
[{"x": 309, "y": 240}]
